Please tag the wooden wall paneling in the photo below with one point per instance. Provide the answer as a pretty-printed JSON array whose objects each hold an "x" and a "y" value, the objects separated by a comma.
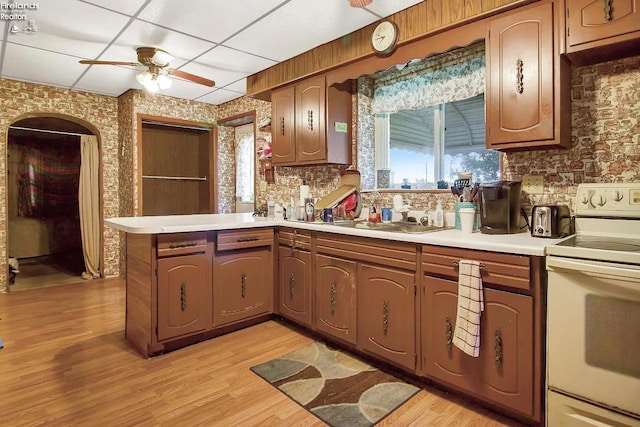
[
  {"x": 434, "y": 14},
  {"x": 452, "y": 11}
]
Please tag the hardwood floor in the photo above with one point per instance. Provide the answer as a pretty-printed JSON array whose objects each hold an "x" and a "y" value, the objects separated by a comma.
[{"x": 66, "y": 362}]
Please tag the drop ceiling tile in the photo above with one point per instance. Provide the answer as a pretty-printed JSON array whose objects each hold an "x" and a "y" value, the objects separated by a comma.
[
  {"x": 213, "y": 20},
  {"x": 221, "y": 76},
  {"x": 112, "y": 81},
  {"x": 239, "y": 86},
  {"x": 141, "y": 33},
  {"x": 71, "y": 27},
  {"x": 185, "y": 89},
  {"x": 234, "y": 60},
  {"x": 386, "y": 8},
  {"x": 300, "y": 25},
  {"x": 40, "y": 66},
  {"x": 128, "y": 7},
  {"x": 219, "y": 96}
]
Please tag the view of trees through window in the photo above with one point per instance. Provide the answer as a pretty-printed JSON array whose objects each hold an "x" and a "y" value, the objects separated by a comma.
[{"x": 436, "y": 143}]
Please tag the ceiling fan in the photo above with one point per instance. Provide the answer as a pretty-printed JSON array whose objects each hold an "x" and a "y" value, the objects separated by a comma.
[
  {"x": 359, "y": 3},
  {"x": 156, "y": 61}
]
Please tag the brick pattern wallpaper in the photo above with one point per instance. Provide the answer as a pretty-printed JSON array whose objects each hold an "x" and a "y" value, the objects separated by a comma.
[{"x": 19, "y": 100}]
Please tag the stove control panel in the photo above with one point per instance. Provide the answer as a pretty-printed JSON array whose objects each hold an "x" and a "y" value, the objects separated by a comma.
[{"x": 618, "y": 200}]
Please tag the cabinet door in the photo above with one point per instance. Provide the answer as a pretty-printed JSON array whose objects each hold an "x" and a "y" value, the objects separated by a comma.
[
  {"x": 386, "y": 313},
  {"x": 184, "y": 295},
  {"x": 520, "y": 87},
  {"x": 336, "y": 297},
  {"x": 440, "y": 358},
  {"x": 506, "y": 350},
  {"x": 598, "y": 20},
  {"x": 242, "y": 285},
  {"x": 310, "y": 120},
  {"x": 295, "y": 284},
  {"x": 283, "y": 126}
]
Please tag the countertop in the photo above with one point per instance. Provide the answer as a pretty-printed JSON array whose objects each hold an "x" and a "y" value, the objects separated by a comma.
[{"x": 522, "y": 243}]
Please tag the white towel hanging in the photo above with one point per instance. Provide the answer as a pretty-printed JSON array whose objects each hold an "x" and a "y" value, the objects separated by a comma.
[{"x": 470, "y": 306}]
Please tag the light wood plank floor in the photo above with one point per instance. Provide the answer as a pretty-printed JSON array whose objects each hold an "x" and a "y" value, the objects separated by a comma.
[{"x": 66, "y": 362}]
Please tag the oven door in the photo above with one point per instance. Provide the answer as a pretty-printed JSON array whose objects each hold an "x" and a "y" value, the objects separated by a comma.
[{"x": 593, "y": 332}]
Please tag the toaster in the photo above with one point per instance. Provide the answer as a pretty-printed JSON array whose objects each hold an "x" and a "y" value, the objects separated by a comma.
[{"x": 551, "y": 221}]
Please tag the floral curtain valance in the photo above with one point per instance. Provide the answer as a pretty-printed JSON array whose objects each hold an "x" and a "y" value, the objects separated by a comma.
[{"x": 452, "y": 76}]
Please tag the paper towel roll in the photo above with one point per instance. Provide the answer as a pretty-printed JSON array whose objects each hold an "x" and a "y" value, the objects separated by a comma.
[{"x": 304, "y": 193}]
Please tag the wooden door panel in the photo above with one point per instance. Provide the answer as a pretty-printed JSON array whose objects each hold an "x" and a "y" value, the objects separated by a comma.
[
  {"x": 283, "y": 126},
  {"x": 183, "y": 295},
  {"x": 386, "y": 313},
  {"x": 506, "y": 349},
  {"x": 310, "y": 120},
  {"x": 242, "y": 285},
  {"x": 443, "y": 360},
  {"x": 336, "y": 297},
  {"x": 589, "y": 21},
  {"x": 295, "y": 285}
]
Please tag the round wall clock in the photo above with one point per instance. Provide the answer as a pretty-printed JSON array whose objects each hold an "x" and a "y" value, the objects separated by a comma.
[{"x": 384, "y": 37}]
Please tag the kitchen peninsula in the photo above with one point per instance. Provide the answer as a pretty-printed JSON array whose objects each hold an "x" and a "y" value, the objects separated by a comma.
[{"x": 390, "y": 296}]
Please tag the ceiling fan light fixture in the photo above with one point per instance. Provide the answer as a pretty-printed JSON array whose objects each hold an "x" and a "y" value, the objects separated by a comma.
[
  {"x": 164, "y": 82},
  {"x": 359, "y": 3},
  {"x": 148, "y": 80},
  {"x": 161, "y": 58}
]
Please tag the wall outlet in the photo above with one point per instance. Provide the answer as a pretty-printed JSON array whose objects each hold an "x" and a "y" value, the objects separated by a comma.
[{"x": 532, "y": 184}]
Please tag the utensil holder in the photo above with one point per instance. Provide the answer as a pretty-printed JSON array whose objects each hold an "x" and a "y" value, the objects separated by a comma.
[{"x": 459, "y": 205}]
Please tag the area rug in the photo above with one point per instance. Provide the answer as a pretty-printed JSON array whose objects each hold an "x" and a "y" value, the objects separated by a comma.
[{"x": 336, "y": 387}]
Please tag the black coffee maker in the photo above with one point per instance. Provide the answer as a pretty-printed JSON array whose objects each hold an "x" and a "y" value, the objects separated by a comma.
[{"x": 499, "y": 204}]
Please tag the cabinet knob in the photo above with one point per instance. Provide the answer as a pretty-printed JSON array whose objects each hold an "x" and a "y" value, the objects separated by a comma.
[
  {"x": 310, "y": 120},
  {"x": 332, "y": 297},
  {"x": 282, "y": 126},
  {"x": 448, "y": 332},
  {"x": 607, "y": 10},
  {"x": 243, "y": 285}
]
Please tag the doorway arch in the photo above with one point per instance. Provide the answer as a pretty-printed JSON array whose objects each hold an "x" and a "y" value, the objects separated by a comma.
[{"x": 54, "y": 130}]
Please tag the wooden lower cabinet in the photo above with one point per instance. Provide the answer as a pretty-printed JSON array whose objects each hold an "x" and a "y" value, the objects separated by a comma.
[
  {"x": 386, "y": 314},
  {"x": 184, "y": 295},
  {"x": 335, "y": 305},
  {"x": 294, "y": 278},
  {"x": 242, "y": 284},
  {"x": 503, "y": 372}
]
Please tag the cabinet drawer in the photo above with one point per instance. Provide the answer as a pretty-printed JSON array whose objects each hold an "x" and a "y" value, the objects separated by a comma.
[
  {"x": 298, "y": 239},
  {"x": 385, "y": 252},
  {"x": 240, "y": 239},
  {"x": 496, "y": 268},
  {"x": 181, "y": 243}
]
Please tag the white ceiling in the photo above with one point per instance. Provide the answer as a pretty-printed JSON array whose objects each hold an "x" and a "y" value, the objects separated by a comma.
[{"x": 221, "y": 40}]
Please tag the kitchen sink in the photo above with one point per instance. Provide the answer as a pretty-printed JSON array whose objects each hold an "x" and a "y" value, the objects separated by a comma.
[{"x": 393, "y": 227}]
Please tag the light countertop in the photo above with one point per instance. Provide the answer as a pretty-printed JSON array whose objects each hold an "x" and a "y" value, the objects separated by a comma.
[{"x": 521, "y": 243}]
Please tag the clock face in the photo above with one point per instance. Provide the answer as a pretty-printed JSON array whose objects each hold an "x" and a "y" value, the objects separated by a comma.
[{"x": 384, "y": 37}]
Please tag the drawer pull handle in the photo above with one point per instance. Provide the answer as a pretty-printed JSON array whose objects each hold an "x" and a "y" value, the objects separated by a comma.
[
  {"x": 182, "y": 245},
  {"x": 498, "y": 347},
  {"x": 332, "y": 297},
  {"x": 282, "y": 126},
  {"x": 183, "y": 297},
  {"x": 456, "y": 264},
  {"x": 448, "y": 332},
  {"x": 247, "y": 239},
  {"x": 385, "y": 316},
  {"x": 292, "y": 284},
  {"x": 519, "y": 76},
  {"x": 607, "y": 10},
  {"x": 243, "y": 285}
]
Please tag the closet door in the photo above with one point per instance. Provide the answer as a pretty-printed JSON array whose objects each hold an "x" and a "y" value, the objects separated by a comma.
[{"x": 176, "y": 170}]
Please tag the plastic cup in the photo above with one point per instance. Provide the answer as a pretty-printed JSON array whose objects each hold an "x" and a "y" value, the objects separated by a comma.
[{"x": 467, "y": 215}]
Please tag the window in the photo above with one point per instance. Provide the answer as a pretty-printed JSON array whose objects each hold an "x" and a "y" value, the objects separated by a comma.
[{"x": 417, "y": 148}]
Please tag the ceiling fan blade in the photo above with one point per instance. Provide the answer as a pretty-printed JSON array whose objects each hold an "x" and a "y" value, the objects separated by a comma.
[
  {"x": 192, "y": 77},
  {"x": 89, "y": 62}
]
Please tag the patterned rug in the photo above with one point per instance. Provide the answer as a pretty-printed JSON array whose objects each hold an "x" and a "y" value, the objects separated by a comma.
[{"x": 336, "y": 387}]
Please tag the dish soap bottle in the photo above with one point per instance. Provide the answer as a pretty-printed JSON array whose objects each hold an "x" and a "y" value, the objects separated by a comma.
[{"x": 439, "y": 215}]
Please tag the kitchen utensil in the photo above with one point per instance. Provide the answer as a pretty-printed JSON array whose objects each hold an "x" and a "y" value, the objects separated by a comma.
[{"x": 466, "y": 194}]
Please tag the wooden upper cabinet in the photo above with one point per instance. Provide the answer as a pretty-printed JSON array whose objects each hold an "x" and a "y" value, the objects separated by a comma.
[
  {"x": 527, "y": 81},
  {"x": 283, "y": 125},
  {"x": 599, "y": 30},
  {"x": 311, "y": 123}
]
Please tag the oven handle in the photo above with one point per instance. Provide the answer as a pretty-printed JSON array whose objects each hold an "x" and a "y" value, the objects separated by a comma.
[{"x": 598, "y": 269}]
